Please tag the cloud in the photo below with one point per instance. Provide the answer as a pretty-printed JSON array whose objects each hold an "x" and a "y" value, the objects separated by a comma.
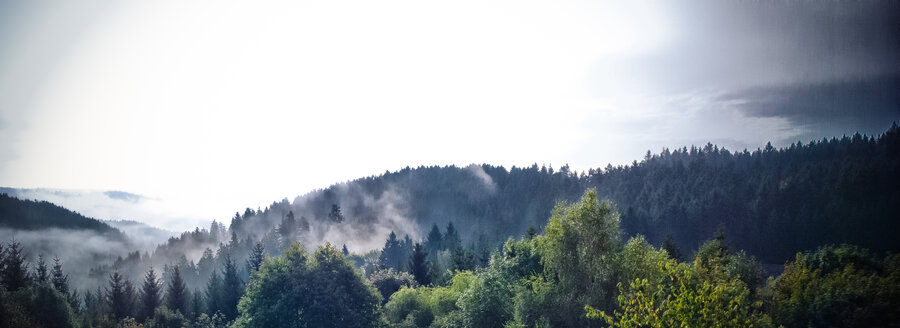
[
  {"x": 832, "y": 108},
  {"x": 115, "y": 205}
]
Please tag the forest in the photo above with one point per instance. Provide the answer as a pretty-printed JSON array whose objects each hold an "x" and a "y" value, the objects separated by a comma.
[{"x": 692, "y": 237}]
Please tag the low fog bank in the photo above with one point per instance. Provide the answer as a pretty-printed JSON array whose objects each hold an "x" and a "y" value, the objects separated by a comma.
[
  {"x": 78, "y": 250},
  {"x": 144, "y": 237},
  {"x": 115, "y": 205}
]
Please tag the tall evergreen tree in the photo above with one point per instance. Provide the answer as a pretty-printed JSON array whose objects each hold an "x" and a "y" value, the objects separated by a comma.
[
  {"x": 214, "y": 294},
  {"x": 257, "y": 255},
  {"x": 433, "y": 243},
  {"x": 176, "y": 294},
  {"x": 59, "y": 278},
  {"x": 150, "y": 295},
  {"x": 336, "y": 215},
  {"x": 451, "y": 239},
  {"x": 14, "y": 274},
  {"x": 232, "y": 289},
  {"x": 41, "y": 274},
  {"x": 418, "y": 265},
  {"x": 392, "y": 253},
  {"x": 196, "y": 307},
  {"x": 119, "y": 296}
]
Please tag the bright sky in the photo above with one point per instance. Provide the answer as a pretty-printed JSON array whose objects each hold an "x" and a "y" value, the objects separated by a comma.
[{"x": 217, "y": 106}]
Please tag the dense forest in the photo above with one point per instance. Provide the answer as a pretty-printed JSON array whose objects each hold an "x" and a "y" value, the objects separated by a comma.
[
  {"x": 682, "y": 240},
  {"x": 580, "y": 272}
]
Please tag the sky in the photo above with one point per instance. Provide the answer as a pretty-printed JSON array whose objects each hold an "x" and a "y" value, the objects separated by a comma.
[{"x": 210, "y": 107}]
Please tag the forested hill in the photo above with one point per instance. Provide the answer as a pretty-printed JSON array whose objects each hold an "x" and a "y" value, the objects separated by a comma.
[
  {"x": 770, "y": 202},
  {"x": 24, "y": 214}
]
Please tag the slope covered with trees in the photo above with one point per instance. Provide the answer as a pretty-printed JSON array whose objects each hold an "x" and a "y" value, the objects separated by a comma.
[{"x": 23, "y": 214}]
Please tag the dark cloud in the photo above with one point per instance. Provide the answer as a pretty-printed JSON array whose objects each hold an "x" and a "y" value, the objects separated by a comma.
[{"x": 866, "y": 106}]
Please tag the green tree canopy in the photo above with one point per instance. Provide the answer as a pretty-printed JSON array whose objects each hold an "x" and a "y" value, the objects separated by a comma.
[{"x": 298, "y": 290}]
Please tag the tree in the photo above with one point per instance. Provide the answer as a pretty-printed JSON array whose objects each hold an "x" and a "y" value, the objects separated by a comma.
[
  {"x": 451, "y": 238},
  {"x": 176, "y": 294},
  {"x": 214, "y": 294},
  {"x": 683, "y": 300},
  {"x": 257, "y": 255},
  {"x": 41, "y": 274},
  {"x": 150, "y": 295},
  {"x": 232, "y": 290},
  {"x": 14, "y": 274},
  {"x": 418, "y": 265},
  {"x": 335, "y": 215},
  {"x": 59, "y": 278},
  {"x": 345, "y": 251},
  {"x": 670, "y": 246},
  {"x": 433, "y": 243},
  {"x": 838, "y": 286},
  {"x": 389, "y": 281},
  {"x": 462, "y": 259},
  {"x": 119, "y": 296},
  {"x": 392, "y": 255},
  {"x": 297, "y": 290},
  {"x": 578, "y": 254}
]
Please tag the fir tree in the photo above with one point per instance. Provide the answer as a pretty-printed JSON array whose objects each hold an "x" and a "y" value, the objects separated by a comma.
[
  {"x": 418, "y": 265},
  {"x": 14, "y": 273},
  {"x": 176, "y": 294},
  {"x": 119, "y": 296},
  {"x": 150, "y": 295},
  {"x": 232, "y": 289},
  {"x": 41, "y": 274},
  {"x": 59, "y": 278}
]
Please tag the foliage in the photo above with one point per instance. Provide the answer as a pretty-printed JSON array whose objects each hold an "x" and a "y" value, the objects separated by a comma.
[
  {"x": 842, "y": 286},
  {"x": 298, "y": 290},
  {"x": 683, "y": 299},
  {"x": 390, "y": 281},
  {"x": 428, "y": 306}
]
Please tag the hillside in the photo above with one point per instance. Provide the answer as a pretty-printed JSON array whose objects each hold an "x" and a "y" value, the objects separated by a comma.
[
  {"x": 24, "y": 214},
  {"x": 771, "y": 202}
]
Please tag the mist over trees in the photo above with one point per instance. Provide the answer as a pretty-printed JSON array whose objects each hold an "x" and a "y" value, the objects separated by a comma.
[{"x": 483, "y": 246}]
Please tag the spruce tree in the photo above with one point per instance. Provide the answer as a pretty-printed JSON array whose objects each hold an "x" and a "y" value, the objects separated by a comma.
[
  {"x": 176, "y": 294},
  {"x": 418, "y": 265},
  {"x": 119, "y": 296},
  {"x": 232, "y": 289},
  {"x": 433, "y": 243},
  {"x": 257, "y": 255},
  {"x": 150, "y": 295},
  {"x": 59, "y": 279},
  {"x": 213, "y": 294},
  {"x": 14, "y": 273},
  {"x": 41, "y": 274}
]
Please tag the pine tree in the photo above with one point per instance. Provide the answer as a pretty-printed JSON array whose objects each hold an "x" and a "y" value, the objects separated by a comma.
[
  {"x": 14, "y": 274},
  {"x": 418, "y": 265},
  {"x": 196, "y": 304},
  {"x": 433, "y": 243},
  {"x": 257, "y": 255},
  {"x": 176, "y": 294},
  {"x": 119, "y": 296},
  {"x": 345, "y": 251},
  {"x": 41, "y": 274},
  {"x": 213, "y": 294},
  {"x": 336, "y": 215},
  {"x": 232, "y": 290},
  {"x": 59, "y": 278},
  {"x": 451, "y": 239},
  {"x": 150, "y": 295}
]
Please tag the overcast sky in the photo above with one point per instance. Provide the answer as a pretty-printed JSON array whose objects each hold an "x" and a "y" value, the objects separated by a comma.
[{"x": 216, "y": 106}]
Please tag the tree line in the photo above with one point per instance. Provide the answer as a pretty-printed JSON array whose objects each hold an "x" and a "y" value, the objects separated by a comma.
[{"x": 580, "y": 272}]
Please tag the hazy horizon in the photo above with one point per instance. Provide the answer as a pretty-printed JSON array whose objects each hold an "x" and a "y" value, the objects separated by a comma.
[{"x": 208, "y": 109}]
